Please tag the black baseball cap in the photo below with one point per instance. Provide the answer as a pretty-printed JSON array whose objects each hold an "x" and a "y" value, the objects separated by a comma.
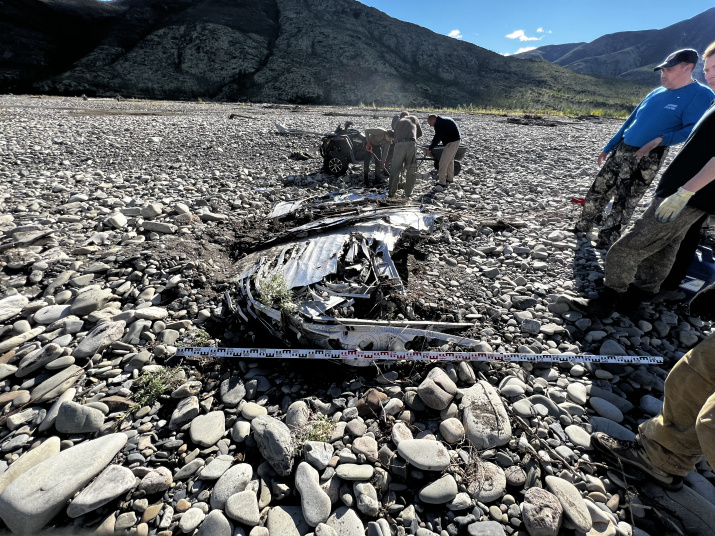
[{"x": 686, "y": 55}]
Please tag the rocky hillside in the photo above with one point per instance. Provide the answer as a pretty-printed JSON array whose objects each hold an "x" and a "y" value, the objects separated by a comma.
[
  {"x": 630, "y": 55},
  {"x": 298, "y": 51}
]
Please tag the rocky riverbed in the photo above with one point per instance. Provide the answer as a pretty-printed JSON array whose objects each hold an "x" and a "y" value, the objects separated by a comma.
[{"x": 121, "y": 225}]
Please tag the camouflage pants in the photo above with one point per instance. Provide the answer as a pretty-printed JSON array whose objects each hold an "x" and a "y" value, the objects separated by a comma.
[
  {"x": 646, "y": 252},
  {"x": 624, "y": 179},
  {"x": 676, "y": 439}
]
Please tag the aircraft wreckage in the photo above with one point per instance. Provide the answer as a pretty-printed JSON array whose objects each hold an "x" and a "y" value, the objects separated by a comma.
[{"x": 309, "y": 285}]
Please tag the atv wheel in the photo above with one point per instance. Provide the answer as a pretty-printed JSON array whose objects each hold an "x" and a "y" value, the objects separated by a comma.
[
  {"x": 457, "y": 167},
  {"x": 336, "y": 166}
]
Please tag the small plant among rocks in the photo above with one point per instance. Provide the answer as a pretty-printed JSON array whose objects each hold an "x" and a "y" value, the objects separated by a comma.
[
  {"x": 197, "y": 337},
  {"x": 151, "y": 385},
  {"x": 318, "y": 428},
  {"x": 274, "y": 291}
]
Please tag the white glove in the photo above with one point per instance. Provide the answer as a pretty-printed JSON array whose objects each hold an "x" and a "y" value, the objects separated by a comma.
[{"x": 673, "y": 205}]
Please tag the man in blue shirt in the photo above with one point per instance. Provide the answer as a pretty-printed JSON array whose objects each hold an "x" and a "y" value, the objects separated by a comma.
[{"x": 634, "y": 155}]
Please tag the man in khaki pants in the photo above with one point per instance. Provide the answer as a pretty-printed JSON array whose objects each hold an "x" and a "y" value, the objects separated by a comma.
[
  {"x": 447, "y": 132},
  {"x": 669, "y": 445}
]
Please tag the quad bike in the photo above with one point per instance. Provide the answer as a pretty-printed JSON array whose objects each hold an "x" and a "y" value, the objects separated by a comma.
[{"x": 344, "y": 147}]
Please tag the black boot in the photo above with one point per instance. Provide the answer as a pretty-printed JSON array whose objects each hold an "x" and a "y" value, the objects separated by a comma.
[
  {"x": 632, "y": 300},
  {"x": 602, "y": 307}
]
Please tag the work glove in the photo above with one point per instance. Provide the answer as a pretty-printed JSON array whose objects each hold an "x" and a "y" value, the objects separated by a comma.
[
  {"x": 673, "y": 205},
  {"x": 703, "y": 304}
]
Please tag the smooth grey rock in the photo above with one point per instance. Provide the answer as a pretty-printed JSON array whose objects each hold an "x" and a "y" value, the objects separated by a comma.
[
  {"x": 89, "y": 301},
  {"x": 577, "y": 392},
  {"x": 314, "y": 501},
  {"x": 234, "y": 480},
  {"x": 485, "y": 419},
  {"x": 40, "y": 493},
  {"x": 51, "y": 416},
  {"x": 30, "y": 459},
  {"x": 101, "y": 336},
  {"x": 318, "y": 453},
  {"x": 243, "y": 507},
  {"x": 424, "y": 454},
  {"x": 440, "y": 491},
  {"x": 73, "y": 418},
  {"x": 541, "y": 512},
  {"x": 297, "y": 415},
  {"x": 12, "y": 306},
  {"x": 51, "y": 313},
  {"x": 157, "y": 480},
  {"x": 186, "y": 410},
  {"x": 215, "y": 524},
  {"x": 353, "y": 471},
  {"x": 605, "y": 409},
  {"x": 366, "y": 499},
  {"x": 232, "y": 391},
  {"x": 17, "y": 340},
  {"x": 578, "y": 436},
  {"x": 207, "y": 429},
  {"x": 489, "y": 484},
  {"x": 611, "y": 428},
  {"x": 33, "y": 415},
  {"x": 346, "y": 522},
  {"x": 217, "y": 467},
  {"x": 191, "y": 519},
  {"x": 274, "y": 442},
  {"x": 452, "y": 430},
  {"x": 691, "y": 511},
  {"x": 486, "y": 528},
  {"x": 57, "y": 384},
  {"x": 110, "y": 484},
  {"x": 287, "y": 520},
  {"x": 574, "y": 507},
  {"x": 437, "y": 390},
  {"x": 189, "y": 470},
  {"x": 610, "y": 347},
  {"x": 38, "y": 359}
]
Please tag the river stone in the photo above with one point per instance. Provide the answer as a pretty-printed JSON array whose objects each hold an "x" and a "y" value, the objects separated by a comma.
[
  {"x": 424, "y": 454},
  {"x": 40, "y": 493},
  {"x": 287, "y": 521},
  {"x": 232, "y": 391},
  {"x": 13, "y": 342},
  {"x": 366, "y": 499},
  {"x": 541, "y": 512},
  {"x": 605, "y": 409},
  {"x": 215, "y": 524},
  {"x": 38, "y": 359},
  {"x": 157, "y": 480},
  {"x": 191, "y": 519},
  {"x": 613, "y": 429},
  {"x": 346, "y": 522},
  {"x": 217, "y": 467},
  {"x": 73, "y": 418},
  {"x": 274, "y": 442},
  {"x": 90, "y": 301},
  {"x": 243, "y": 507},
  {"x": 189, "y": 470},
  {"x": 574, "y": 507},
  {"x": 489, "y": 483},
  {"x": 251, "y": 410},
  {"x": 367, "y": 446},
  {"x": 57, "y": 384},
  {"x": 207, "y": 429},
  {"x": 437, "y": 390},
  {"x": 318, "y": 453},
  {"x": 578, "y": 436},
  {"x": 12, "y": 306},
  {"x": 101, "y": 336},
  {"x": 297, "y": 415},
  {"x": 440, "y": 491},
  {"x": 110, "y": 484},
  {"x": 30, "y": 459},
  {"x": 51, "y": 313},
  {"x": 353, "y": 471},
  {"x": 314, "y": 501},
  {"x": 235, "y": 480},
  {"x": 485, "y": 419},
  {"x": 577, "y": 392},
  {"x": 452, "y": 430},
  {"x": 186, "y": 410},
  {"x": 486, "y": 528}
]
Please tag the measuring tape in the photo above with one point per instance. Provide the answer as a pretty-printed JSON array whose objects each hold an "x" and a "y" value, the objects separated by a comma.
[{"x": 349, "y": 355}]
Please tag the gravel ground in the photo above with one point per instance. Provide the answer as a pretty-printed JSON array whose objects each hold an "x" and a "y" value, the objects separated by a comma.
[{"x": 122, "y": 222}]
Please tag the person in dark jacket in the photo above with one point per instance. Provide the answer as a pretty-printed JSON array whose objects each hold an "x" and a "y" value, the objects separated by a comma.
[{"x": 446, "y": 131}]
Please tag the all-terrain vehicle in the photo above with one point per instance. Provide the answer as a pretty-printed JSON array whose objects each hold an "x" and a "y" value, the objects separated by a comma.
[{"x": 344, "y": 147}]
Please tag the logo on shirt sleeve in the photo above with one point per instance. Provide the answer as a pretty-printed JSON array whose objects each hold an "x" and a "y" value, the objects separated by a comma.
[{"x": 671, "y": 106}]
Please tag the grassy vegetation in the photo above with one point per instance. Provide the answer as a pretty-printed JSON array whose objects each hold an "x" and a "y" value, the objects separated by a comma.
[
  {"x": 318, "y": 428},
  {"x": 151, "y": 385},
  {"x": 275, "y": 292}
]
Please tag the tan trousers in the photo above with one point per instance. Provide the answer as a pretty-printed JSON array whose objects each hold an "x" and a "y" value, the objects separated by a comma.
[
  {"x": 685, "y": 429},
  {"x": 446, "y": 162},
  {"x": 404, "y": 158}
]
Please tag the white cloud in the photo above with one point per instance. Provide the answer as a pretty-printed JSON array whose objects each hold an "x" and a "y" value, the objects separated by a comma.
[
  {"x": 455, "y": 33},
  {"x": 524, "y": 49},
  {"x": 521, "y": 36},
  {"x": 539, "y": 30}
]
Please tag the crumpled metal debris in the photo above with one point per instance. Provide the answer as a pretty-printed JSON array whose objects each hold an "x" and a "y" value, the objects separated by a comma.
[{"x": 333, "y": 269}]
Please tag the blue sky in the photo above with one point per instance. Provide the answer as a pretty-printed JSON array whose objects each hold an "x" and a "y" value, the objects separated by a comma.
[{"x": 506, "y": 26}]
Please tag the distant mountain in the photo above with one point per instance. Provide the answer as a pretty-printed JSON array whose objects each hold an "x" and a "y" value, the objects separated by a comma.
[
  {"x": 297, "y": 51},
  {"x": 631, "y": 55}
]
